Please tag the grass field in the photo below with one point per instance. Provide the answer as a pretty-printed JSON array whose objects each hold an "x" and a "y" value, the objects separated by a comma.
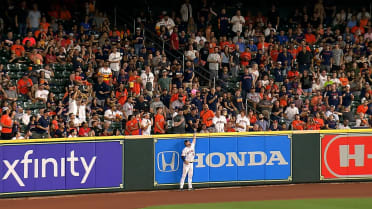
[{"x": 348, "y": 203}]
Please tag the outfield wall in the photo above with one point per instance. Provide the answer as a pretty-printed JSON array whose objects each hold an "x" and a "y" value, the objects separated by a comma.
[{"x": 108, "y": 164}]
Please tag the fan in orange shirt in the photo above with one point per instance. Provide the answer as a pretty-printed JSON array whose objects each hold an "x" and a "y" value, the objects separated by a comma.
[
  {"x": 18, "y": 49},
  {"x": 159, "y": 127},
  {"x": 133, "y": 125},
  {"x": 344, "y": 80},
  {"x": 122, "y": 94},
  {"x": 245, "y": 57},
  {"x": 229, "y": 127},
  {"x": 319, "y": 121},
  {"x": 363, "y": 107},
  {"x": 298, "y": 124},
  {"x": 310, "y": 37},
  {"x": 207, "y": 115},
  {"x": 135, "y": 83},
  {"x": 311, "y": 124}
]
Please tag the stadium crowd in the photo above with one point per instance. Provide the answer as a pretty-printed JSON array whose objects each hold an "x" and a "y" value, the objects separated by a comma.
[{"x": 64, "y": 75}]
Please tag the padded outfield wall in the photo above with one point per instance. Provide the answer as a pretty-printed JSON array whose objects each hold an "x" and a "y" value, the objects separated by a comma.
[{"x": 111, "y": 164}]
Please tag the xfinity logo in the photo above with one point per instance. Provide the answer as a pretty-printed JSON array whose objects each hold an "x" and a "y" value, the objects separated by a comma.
[
  {"x": 59, "y": 167},
  {"x": 168, "y": 161}
]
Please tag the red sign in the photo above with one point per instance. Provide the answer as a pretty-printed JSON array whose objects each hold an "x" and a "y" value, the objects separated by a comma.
[{"x": 345, "y": 156}]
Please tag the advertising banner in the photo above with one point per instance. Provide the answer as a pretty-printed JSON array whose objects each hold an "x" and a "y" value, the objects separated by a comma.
[
  {"x": 226, "y": 159},
  {"x": 346, "y": 156},
  {"x": 61, "y": 166}
]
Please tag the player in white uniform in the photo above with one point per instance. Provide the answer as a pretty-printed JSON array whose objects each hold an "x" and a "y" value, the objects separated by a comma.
[{"x": 188, "y": 154}]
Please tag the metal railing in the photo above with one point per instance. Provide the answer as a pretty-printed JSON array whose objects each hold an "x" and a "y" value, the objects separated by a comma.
[{"x": 151, "y": 37}]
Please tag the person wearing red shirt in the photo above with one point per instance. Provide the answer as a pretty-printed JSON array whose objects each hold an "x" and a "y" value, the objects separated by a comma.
[
  {"x": 84, "y": 129},
  {"x": 229, "y": 127},
  {"x": 135, "y": 83},
  {"x": 7, "y": 124},
  {"x": 132, "y": 126},
  {"x": 223, "y": 43},
  {"x": 298, "y": 124},
  {"x": 310, "y": 37},
  {"x": 293, "y": 51},
  {"x": 293, "y": 74},
  {"x": 18, "y": 49},
  {"x": 175, "y": 40},
  {"x": 262, "y": 44},
  {"x": 24, "y": 85},
  {"x": 207, "y": 116},
  {"x": 245, "y": 57},
  {"x": 311, "y": 124},
  {"x": 159, "y": 127},
  {"x": 357, "y": 30},
  {"x": 275, "y": 53},
  {"x": 252, "y": 117},
  {"x": 121, "y": 94},
  {"x": 30, "y": 39}
]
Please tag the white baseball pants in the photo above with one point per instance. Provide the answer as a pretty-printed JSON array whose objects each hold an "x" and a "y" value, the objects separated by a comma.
[{"x": 187, "y": 170}]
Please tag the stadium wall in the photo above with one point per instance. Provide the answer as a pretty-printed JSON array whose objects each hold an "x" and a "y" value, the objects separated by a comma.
[{"x": 129, "y": 163}]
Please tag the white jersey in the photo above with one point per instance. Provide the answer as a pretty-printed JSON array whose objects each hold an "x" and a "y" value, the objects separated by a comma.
[{"x": 189, "y": 153}]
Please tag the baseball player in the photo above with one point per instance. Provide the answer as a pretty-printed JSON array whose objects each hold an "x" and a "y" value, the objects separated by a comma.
[{"x": 188, "y": 154}]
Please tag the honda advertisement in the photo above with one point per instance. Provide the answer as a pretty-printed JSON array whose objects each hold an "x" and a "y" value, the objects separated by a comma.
[
  {"x": 346, "y": 156},
  {"x": 226, "y": 159},
  {"x": 61, "y": 166}
]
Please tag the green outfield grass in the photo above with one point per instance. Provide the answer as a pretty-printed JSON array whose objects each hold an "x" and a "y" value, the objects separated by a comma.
[{"x": 347, "y": 203}]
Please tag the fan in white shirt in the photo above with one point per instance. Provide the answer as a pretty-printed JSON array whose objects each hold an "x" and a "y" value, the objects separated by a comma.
[
  {"x": 128, "y": 107},
  {"x": 41, "y": 93},
  {"x": 291, "y": 111},
  {"x": 112, "y": 114},
  {"x": 186, "y": 11},
  {"x": 237, "y": 21},
  {"x": 242, "y": 122},
  {"x": 323, "y": 78},
  {"x": 190, "y": 54},
  {"x": 146, "y": 124},
  {"x": 26, "y": 117},
  {"x": 147, "y": 76},
  {"x": 168, "y": 22},
  {"x": 219, "y": 122},
  {"x": 114, "y": 60}
]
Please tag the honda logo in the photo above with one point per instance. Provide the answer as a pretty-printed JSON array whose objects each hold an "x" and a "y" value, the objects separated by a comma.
[{"x": 168, "y": 161}]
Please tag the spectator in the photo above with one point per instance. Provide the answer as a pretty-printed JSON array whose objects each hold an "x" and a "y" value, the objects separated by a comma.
[
  {"x": 179, "y": 122},
  {"x": 42, "y": 127},
  {"x": 146, "y": 124},
  {"x": 242, "y": 122},
  {"x": 6, "y": 124},
  {"x": 219, "y": 122},
  {"x": 262, "y": 123}
]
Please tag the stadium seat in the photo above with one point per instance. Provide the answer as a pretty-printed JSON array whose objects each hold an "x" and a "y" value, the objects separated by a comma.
[{"x": 116, "y": 125}]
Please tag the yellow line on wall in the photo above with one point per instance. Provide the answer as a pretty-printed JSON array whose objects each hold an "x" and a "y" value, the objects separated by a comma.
[{"x": 260, "y": 133}]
